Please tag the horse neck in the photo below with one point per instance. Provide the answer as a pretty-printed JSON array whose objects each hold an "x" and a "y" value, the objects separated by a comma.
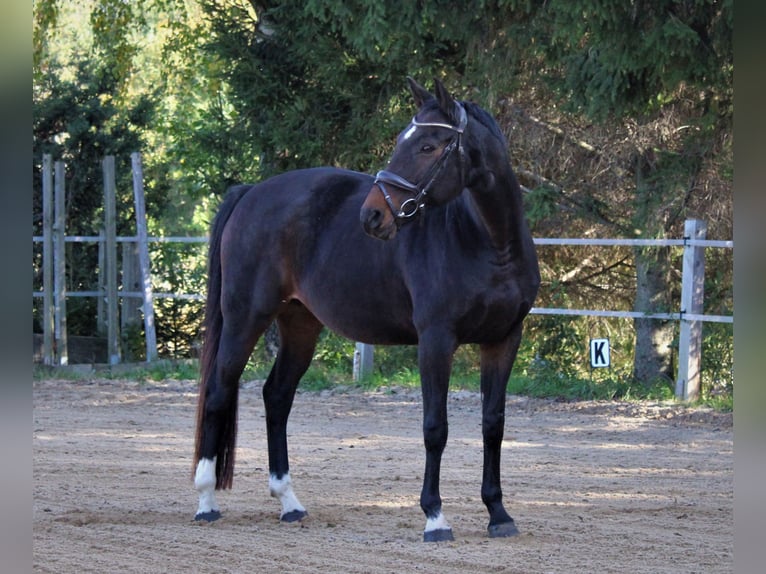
[{"x": 498, "y": 203}]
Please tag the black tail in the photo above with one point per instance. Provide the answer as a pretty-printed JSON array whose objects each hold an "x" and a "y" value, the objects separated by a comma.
[{"x": 212, "y": 326}]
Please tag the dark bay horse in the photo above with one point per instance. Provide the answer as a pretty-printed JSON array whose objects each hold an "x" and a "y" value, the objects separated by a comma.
[{"x": 442, "y": 257}]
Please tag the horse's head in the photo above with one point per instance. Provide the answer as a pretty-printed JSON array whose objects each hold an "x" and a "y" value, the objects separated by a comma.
[{"x": 428, "y": 166}]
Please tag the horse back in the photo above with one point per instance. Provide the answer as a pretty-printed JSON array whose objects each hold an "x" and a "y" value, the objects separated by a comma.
[{"x": 297, "y": 237}]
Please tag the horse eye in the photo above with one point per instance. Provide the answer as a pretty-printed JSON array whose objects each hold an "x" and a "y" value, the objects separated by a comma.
[{"x": 427, "y": 148}]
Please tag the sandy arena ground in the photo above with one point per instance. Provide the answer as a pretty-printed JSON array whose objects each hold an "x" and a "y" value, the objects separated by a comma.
[{"x": 593, "y": 487}]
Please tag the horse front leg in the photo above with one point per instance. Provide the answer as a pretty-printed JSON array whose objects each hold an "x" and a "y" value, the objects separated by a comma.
[
  {"x": 496, "y": 364},
  {"x": 435, "y": 362}
]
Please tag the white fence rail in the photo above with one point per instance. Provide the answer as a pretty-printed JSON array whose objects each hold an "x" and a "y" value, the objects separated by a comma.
[
  {"x": 54, "y": 293},
  {"x": 535, "y": 310}
]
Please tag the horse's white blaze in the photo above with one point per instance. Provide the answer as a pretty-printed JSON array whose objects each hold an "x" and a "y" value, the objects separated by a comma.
[
  {"x": 282, "y": 488},
  {"x": 409, "y": 132},
  {"x": 204, "y": 482},
  {"x": 437, "y": 523}
]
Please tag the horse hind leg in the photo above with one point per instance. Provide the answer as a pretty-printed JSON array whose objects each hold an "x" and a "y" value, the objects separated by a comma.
[
  {"x": 204, "y": 481},
  {"x": 298, "y": 332},
  {"x": 218, "y": 415}
]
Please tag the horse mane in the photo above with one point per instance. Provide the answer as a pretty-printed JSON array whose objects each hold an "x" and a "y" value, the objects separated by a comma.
[{"x": 484, "y": 118}]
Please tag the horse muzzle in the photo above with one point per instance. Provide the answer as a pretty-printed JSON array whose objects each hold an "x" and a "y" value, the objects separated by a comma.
[{"x": 378, "y": 222}]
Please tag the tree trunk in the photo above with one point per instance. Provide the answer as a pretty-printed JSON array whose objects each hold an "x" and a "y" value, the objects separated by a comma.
[
  {"x": 653, "y": 351},
  {"x": 654, "y": 337}
]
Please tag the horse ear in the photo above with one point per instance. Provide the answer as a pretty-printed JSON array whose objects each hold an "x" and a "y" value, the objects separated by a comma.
[
  {"x": 420, "y": 94},
  {"x": 446, "y": 101}
]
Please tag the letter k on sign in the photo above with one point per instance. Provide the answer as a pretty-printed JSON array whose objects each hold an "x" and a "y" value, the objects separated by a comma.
[{"x": 599, "y": 353}]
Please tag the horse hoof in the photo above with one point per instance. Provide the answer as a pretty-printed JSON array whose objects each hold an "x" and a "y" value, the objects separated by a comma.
[
  {"x": 210, "y": 516},
  {"x": 504, "y": 530},
  {"x": 440, "y": 535},
  {"x": 294, "y": 516}
]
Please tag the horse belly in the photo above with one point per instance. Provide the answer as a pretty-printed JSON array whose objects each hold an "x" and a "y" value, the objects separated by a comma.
[
  {"x": 359, "y": 304},
  {"x": 365, "y": 324}
]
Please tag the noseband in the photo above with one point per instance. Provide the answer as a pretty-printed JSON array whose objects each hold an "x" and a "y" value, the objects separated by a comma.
[{"x": 413, "y": 205}]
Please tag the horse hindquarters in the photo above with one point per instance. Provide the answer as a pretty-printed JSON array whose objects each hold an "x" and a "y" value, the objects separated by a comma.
[
  {"x": 242, "y": 299},
  {"x": 224, "y": 355},
  {"x": 243, "y": 322}
]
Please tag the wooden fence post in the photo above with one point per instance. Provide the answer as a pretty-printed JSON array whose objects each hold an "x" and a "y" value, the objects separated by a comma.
[
  {"x": 110, "y": 231},
  {"x": 48, "y": 306},
  {"x": 59, "y": 264},
  {"x": 692, "y": 298},
  {"x": 143, "y": 257},
  {"x": 131, "y": 283},
  {"x": 101, "y": 322},
  {"x": 130, "y": 308},
  {"x": 363, "y": 355}
]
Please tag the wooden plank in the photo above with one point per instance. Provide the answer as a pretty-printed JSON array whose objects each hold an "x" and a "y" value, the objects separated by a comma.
[
  {"x": 688, "y": 383},
  {"x": 131, "y": 283},
  {"x": 110, "y": 256},
  {"x": 59, "y": 264},
  {"x": 48, "y": 305},
  {"x": 143, "y": 257}
]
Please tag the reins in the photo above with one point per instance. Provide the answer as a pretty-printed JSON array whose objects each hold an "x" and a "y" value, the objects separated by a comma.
[{"x": 414, "y": 205}]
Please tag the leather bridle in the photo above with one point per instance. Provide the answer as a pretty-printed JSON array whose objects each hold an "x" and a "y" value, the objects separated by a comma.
[{"x": 417, "y": 203}]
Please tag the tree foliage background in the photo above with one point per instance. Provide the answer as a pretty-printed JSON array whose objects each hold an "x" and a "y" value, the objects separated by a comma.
[{"x": 619, "y": 116}]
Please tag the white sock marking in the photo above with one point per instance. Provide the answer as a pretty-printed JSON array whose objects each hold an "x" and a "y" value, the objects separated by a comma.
[
  {"x": 437, "y": 523},
  {"x": 282, "y": 488},
  {"x": 204, "y": 482}
]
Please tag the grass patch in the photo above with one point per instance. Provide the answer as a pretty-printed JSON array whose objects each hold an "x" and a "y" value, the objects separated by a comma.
[
  {"x": 572, "y": 388},
  {"x": 160, "y": 370},
  {"x": 323, "y": 375}
]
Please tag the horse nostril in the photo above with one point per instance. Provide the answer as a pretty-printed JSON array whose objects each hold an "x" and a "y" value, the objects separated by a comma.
[{"x": 371, "y": 219}]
